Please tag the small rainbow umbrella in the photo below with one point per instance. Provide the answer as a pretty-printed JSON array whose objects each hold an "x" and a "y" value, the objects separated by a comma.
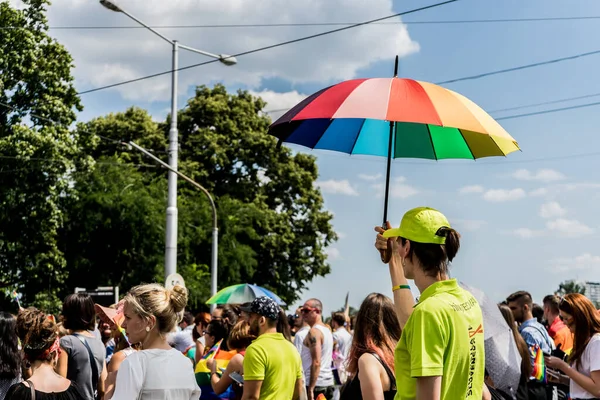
[
  {"x": 242, "y": 293},
  {"x": 393, "y": 118}
]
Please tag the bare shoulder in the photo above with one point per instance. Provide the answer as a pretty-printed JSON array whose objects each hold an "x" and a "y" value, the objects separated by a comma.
[{"x": 368, "y": 361}]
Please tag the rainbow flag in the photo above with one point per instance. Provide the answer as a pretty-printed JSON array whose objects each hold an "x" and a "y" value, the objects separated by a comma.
[
  {"x": 213, "y": 351},
  {"x": 539, "y": 366},
  {"x": 202, "y": 371}
]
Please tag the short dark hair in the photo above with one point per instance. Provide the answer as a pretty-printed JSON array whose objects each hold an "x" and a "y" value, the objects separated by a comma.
[
  {"x": 538, "y": 312},
  {"x": 434, "y": 258},
  {"x": 523, "y": 297},
  {"x": 552, "y": 301},
  {"x": 10, "y": 367},
  {"x": 316, "y": 303},
  {"x": 78, "y": 312},
  {"x": 188, "y": 318},
  {"x": 339, "y": 318}
]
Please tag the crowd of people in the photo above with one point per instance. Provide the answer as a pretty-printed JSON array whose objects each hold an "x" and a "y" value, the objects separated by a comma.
[{"x": 149, "y": 347}]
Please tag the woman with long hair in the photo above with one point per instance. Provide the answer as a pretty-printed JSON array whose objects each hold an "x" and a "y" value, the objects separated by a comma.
[
  {"x": 523, "y": 351},
  {"x": 10, "y": 357},
  {"x": 41, "y": 347},
  {"x": 239, "y": 338},
  {"x": 83, "y": 359},
  {"x": 371, "y": 358},
  {"x": 583, "y": 366},
  {"x": 158, "y": 371},
  {"x": 440, "y": 354}
]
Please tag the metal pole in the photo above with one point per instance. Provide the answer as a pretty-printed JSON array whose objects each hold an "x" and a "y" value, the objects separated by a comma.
[
  {"x": 171, "y": 229},
  {"x": 214, "y": 264},
  {"x": 215, "y": 229}
]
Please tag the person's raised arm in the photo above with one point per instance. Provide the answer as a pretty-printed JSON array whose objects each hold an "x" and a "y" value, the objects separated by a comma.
[
  {"x": 221, "y": 384},
  {"x": 403, "y": 298}
]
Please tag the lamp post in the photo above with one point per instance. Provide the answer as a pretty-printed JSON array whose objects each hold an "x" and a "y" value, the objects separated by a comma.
[{"x": 171, "y": 229}]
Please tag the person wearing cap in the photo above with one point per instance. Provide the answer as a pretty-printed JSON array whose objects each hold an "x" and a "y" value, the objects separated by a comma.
[
  {"x": 272, "y": 366},
  {"x": 440, "y": 355}
]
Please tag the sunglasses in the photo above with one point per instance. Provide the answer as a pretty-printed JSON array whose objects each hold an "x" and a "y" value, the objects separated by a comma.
[
  {"x": 307, "y": 310},
  {"x": 564, "y": 318}
]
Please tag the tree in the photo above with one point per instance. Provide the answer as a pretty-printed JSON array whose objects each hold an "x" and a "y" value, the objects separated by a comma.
[
  {"x": 37, "y": 104},
  {"x": 272, "y": 226},
  {"x": 570, "y": 286}
]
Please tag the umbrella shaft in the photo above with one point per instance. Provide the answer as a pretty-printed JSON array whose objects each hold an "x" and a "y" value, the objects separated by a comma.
[{"x": 387, "y": 175}]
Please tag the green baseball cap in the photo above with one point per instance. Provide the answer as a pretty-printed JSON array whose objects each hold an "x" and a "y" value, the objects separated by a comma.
[{"x": 420, "y": 225}]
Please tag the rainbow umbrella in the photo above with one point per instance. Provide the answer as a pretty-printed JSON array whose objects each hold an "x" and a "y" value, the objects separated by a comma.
[
  {"x": 243, "y": 293},
  {"x": 393, "y": 118}
]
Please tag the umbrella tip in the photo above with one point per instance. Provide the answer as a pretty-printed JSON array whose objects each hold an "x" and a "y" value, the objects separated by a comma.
[{"x": 396, "y": 67}]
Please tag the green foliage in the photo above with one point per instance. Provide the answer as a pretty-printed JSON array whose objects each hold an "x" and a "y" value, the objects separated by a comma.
[
  {"x": 570, "y": 286},
  {"x": 272, "y": 226},
  {"x": 38, "y": 153}
]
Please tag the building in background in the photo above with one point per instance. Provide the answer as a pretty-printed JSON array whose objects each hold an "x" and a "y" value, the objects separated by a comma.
[{"x": 592, "y": 291}]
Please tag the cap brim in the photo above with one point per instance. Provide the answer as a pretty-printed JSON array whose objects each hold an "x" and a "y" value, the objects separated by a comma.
[
  {"x": 247, "y": 309},
  {"x": 391, "y": 233}
]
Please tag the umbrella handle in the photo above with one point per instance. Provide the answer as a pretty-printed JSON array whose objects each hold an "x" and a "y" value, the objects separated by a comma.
[{"x": 386, "y": 255}]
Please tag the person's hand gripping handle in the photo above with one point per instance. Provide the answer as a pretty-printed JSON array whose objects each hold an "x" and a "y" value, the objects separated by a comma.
[{"x": 385, "y": 246}]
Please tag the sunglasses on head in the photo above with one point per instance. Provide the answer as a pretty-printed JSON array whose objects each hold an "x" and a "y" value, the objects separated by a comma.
[{"x": 562, "y": 318}]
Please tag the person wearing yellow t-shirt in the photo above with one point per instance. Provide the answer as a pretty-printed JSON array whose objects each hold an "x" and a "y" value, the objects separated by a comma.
[
  {"x": 272, "y": 365},
  {"x": 440, "y": 355}
]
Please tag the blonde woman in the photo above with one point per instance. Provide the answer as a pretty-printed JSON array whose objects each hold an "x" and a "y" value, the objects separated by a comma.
[{"x": 157, "y": 372}]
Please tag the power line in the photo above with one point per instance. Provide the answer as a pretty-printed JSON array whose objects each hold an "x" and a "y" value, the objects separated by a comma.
[
  {"x": 586, "y": 96},
  {"x": 521, "y": 67},
  {"x": 312, "y": 24},
  {"x": 273, "y": 46},
  {"x": 551, "y": 111}
]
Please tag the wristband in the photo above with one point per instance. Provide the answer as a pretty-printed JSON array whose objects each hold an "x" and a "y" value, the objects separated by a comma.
[{"x": 397, "y": 287}]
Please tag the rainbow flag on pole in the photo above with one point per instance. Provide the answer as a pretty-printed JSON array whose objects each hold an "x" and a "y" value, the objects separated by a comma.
[
  {"x": 539, "y": 366},
  {"x": 202, "y": 371}
]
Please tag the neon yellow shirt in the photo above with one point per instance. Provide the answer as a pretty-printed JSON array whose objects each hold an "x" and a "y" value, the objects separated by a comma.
[
  {"x": 443, "y": 337},
  {"x": 276, "y": 362}
]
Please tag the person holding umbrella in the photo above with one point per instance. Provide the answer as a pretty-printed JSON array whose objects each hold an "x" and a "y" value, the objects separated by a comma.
[{"x": 440, "y": 355}]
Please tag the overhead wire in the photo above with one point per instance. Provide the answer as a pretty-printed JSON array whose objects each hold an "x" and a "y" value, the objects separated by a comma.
[
  {"x": 315, "y": 24},
  {"x": 288, "y": 42}
]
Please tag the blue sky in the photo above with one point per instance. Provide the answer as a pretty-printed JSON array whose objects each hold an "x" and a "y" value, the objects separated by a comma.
[{"x": 528, "y": 221}]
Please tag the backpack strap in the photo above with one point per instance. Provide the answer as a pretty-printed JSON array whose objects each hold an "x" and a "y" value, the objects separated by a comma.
[
  {"x": 388, "y": 371},
  {"x": 31, "y": 388}
]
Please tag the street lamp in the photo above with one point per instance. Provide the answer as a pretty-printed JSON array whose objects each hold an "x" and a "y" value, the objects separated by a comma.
[{"x": 171, "y": 231}]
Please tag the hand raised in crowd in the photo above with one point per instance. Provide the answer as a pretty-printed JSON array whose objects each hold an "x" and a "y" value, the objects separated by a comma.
[{"x": 386, "y": 247}]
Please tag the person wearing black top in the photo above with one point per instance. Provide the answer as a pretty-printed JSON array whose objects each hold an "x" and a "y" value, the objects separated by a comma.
[{"x": 371, "y": 360}]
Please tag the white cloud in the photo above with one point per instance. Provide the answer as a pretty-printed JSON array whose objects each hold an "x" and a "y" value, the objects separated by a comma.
[
  {"x": 552, "y": 210},
  {"x": 333, "y": 253},
  {"x": 280, "y": 102},
  {"x": 337, "y": 187},
  {"x": 502, "y": 195},
  {"x": 467, "y": 224},
  {"x": 542, "y": 175},
  {"x": 526, "y": 233},
  {"x": 398, "y": 190},
  {"x": 111, "y": 55},
  {"x": 370, "y": 178},
  {"x": 568, "y": 228},
  {"x": 471, "y": 189},
  {"x": 581, "y": 262}
]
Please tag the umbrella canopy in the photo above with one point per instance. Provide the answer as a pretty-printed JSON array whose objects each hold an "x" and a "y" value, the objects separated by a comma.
[
  {"x": 429, "y": 122},
  {"x": 395, "y": 118},
  {"x": 502, "y": 358},
  {"x": 242, "y": 293}
]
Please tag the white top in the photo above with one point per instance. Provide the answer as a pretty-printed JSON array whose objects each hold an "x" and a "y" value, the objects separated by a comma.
[
  {"x": 156, "y": 375},
  {"x": 303, "y": 350},
  {"x": 343, "y": 338},
  {"x": 325, "y": 378},
  {"x": 590, "y": 361}
]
